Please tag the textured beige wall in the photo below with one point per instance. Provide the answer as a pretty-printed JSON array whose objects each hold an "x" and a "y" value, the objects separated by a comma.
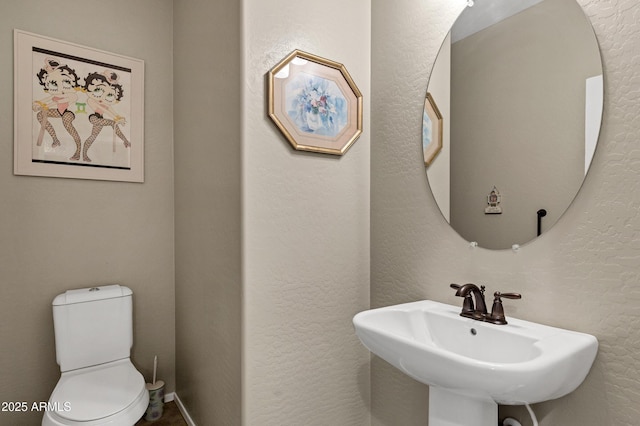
[
  {"x": 58, "y": 234},
  {"x": 305, "y": 231},
  {"x": 208, "y": 212},
  {"x": 583, "y": 274},
  {"x": 287, "y": 266}
]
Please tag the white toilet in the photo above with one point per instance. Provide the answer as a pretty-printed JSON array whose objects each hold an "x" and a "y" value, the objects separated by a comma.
[{"x": 99, "y": 385}]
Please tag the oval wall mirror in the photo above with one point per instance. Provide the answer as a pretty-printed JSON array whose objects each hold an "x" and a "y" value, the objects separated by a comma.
[{"x": 512, "y": 118}]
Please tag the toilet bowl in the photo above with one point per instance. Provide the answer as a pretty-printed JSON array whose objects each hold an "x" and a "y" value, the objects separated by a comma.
[
  {"x": 99, "y": 385},
  {"x": 108, "y": 394}
]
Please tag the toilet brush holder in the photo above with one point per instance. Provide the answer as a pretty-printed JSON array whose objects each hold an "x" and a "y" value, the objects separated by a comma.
[{"x": 156, "y": 401}]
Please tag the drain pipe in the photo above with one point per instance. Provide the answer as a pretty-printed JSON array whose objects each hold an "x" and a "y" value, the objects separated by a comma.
[{"x": 532, "y": 414}]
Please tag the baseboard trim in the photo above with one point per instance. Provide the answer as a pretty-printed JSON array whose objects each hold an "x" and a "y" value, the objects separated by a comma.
[{"x": 182, "y": 408}]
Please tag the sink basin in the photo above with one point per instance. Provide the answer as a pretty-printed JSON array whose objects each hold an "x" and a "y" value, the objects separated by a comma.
[{"x": 518, "y": 363}]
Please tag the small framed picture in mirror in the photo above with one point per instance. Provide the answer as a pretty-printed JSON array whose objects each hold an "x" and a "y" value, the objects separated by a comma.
[{"x": 431, "y": 130}]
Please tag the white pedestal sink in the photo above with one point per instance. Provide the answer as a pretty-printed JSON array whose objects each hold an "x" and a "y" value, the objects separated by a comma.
[{"x": 473, "y": 366}]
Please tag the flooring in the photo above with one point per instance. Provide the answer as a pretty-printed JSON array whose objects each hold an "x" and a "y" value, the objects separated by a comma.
[{"x": 171, "y": 416}]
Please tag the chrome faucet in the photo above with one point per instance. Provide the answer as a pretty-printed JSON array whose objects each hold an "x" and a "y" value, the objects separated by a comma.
[{"x": 478, "y": 311}]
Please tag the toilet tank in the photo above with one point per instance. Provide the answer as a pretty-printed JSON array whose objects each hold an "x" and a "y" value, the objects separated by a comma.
[{"x": 93, "y": 326}]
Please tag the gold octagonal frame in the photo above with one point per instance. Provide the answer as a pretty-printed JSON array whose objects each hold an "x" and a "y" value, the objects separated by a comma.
[{"x": 315, "y": 103}]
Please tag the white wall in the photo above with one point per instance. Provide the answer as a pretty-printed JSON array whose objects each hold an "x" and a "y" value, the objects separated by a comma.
[
  {"x": 582, "y": 274},
  {"x": 305, "y": 231}
]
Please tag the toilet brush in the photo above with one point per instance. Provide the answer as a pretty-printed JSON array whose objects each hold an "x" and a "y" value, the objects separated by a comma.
[
  {"x": 155, "y": 368},
  {"x": 156, "y": 395}
]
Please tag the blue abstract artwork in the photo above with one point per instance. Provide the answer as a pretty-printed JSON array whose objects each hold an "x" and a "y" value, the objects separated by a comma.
[
  {"x": 427, "y": 131},
  {"x": 316, "y": 105}
]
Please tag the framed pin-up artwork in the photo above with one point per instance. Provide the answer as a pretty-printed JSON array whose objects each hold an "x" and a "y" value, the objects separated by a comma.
[
  {"x": 78, "y": 111},
  {"x": 315, "y": 103},
  {"x": 431, "y": 130}
]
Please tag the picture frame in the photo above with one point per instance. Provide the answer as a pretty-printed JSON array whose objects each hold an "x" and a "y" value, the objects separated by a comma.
[
  {"x": 78, "y": 111},
  {"x": 315, "y": 103},
  {"x": 431, "y": 130}
]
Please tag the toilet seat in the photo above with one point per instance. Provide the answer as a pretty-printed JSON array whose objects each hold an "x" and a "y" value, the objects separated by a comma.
[{"x": 107, "y": 394}]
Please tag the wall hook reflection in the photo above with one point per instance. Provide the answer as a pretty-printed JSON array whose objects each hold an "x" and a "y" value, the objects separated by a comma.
[{"x": 541, "y": 213}]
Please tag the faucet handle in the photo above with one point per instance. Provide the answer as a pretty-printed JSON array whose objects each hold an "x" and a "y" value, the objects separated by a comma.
[
  {"x": 508, "y": 295},
  {"x": 497, "y": 310}
]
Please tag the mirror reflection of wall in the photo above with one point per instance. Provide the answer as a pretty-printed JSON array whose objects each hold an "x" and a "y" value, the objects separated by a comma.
[{"x": 513, "y": 96}]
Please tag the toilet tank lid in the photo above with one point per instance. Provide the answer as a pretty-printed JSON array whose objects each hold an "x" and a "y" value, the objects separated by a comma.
[{"x": 90, "y": 294}]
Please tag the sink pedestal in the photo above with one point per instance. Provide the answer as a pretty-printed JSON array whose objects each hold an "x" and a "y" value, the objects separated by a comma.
[{"x": 450, "y": 408}]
